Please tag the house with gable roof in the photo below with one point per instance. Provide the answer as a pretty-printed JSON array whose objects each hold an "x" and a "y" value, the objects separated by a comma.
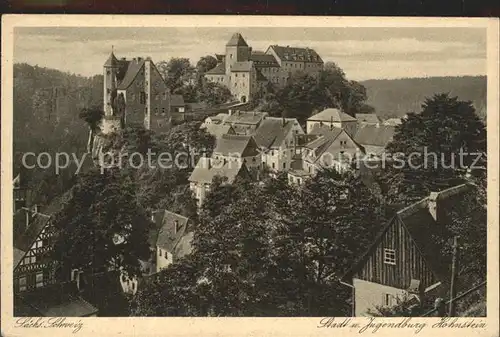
[
  {"x": 37, "y": 292},
  {"x": 405, "y": 259},
  {"x": 326, "y": 147},
  {"x": 171, "y": 238},
  {"x": 134, "y": 94},
  {"x": 207, "y": 169},
  {"x": 374, "y": 138},
  {"x": 333, "y": 117},
  {"x": 245, "y": 71},
  {"x": 275, "y": 138},
  {"x": 237, "y": 149},
  {"x": 368, "y": 119}
]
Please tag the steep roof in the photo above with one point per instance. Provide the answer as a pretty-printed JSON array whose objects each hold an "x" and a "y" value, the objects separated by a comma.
[
  {"x": 18, "y": 256},
  {"x": 112, "y": 61},
  {"x": 272, "y": 131},
  {"x": 374, "y": 135},
  {"x": 263, "y": 60},
  {"x": 240, "y": 145},
  {"x": 368, "y": 118},
  {"x": 324, "y": 142},
  {"x": 331, "y": 115},
  {"x": 236, "y": 41},
  {"x": 168, "y": 237},
  {"x": 246, "y": 117},
  {"x": 58, "y": 300},
  {"x": 184, "y": 246},
  {"x": 424, "y": 230},
  {"x": 24, "y": 239},
  {"x": 219, "y": 69},
  {"x": 176, "y": 100},
  {"x": 133, "y": 68},
  {"x": 204, "y": 172},
  {"x": 297, "y": 54},
  {"x": 242, "y": 66},
  {"x": 218, "y": 130}
]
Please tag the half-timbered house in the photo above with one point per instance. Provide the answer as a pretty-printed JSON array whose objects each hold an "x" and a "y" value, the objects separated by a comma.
[
  {"x": 37, "y": 292},
  {"x": 404, "y": 260}
]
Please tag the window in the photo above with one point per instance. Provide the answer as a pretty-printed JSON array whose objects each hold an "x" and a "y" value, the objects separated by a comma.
[
  {"x": 273, "y": 165},
  {"x": 284, "y": 165},
  {"x": 39, "y": 280},
  {"x": 164, "y": 96},
  {"x": 389, "y": 256},
  {"x": 163, "y": 111},
  {"x": 387, "y": 300},
  {"x": 22, "y": 283}
]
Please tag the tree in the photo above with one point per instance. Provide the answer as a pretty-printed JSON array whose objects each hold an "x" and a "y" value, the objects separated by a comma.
[
  {"x": 204, "y": 64},
  {"x": 177, "y": 72},
  {"x": 301, "y": 97},
  {"x": 102, "y": 225},
  {"x": 214, "y": 93},
  {"x": 272, "y": 249},
  {"x": 332, "y": 220},
  {"x": 433, "y": 140},
  {"x": 171, "y": 292}
]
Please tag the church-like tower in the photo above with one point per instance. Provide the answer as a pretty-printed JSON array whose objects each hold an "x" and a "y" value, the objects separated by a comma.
[
  {"x": 237, "y": 50},
  {"x": 110, "y": 122},
  {"x": 109, "y": 72}
]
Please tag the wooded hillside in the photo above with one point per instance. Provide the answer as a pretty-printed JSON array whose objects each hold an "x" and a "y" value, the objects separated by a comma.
[{"x": 394, "y": 98}]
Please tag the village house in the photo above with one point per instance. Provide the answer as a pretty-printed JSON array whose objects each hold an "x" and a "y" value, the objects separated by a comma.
[
  {"x": 404, "y": 259},
  {"x": 37, "y": 291},
  {"x": 327, "y": 147},
  {"x": 245, "y": 71},
  {"x": 368, "y": 119},
  {"x": 236, "y": 149},
  {"x": 207, "y": 169},
  {"x": 177, "y": 108},
  {"x": 275, "y": 138},
  {"x": 374, "y": 138},
  {"x": 332, "y": 117},
  {"x": 134, "y": 94},
  {"x": 218, "y": 130},
  {"x": 245, "y": 122},
  {"x": 173, "y": 238}
]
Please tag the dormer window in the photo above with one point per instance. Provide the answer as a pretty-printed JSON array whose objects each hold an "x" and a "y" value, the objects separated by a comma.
[
  {"x": 177, "y": 226},
  {"x": 389, "y": 256}
]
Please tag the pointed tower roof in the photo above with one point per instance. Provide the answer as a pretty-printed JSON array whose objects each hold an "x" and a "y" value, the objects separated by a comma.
[
  {"x": 237, "y": 41},
  {"x": 112, "y": 61}
]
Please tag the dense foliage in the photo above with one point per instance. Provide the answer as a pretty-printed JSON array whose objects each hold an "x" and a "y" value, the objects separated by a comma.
[
  {"x": 304, "y": 95},
  {"x": 426, "y": 149},
  {"x": 270, "y": 249}
]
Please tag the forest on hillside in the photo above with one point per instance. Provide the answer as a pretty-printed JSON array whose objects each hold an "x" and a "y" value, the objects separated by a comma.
[
  {"x": 46, "y": 107},
  {"x": 394, "y": 98}
]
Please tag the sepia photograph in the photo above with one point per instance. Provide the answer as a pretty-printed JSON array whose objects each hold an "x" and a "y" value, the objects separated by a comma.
[{"x": 249, "y": 171}]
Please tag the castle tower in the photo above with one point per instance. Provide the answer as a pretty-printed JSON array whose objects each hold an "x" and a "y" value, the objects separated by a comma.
[
  {"x": 109, "y": 71},
  {"x": 237, "y": 50}
]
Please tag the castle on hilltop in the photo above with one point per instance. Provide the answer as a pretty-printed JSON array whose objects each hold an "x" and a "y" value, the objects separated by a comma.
[
  {"x": 134, "y": 94},
  {"x": 245, "y": 71}
]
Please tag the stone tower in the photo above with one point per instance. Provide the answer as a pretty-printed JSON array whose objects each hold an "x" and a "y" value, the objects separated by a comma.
[
  {"x": 237, "y": 50},
  {"x": 110, "y": 122}
]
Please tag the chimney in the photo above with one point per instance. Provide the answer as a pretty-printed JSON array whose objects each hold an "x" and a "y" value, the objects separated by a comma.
[{"x": 176, "y": 226}]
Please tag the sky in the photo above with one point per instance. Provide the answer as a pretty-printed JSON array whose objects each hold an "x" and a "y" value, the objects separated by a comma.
[{"x": 363, "y": 53}]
